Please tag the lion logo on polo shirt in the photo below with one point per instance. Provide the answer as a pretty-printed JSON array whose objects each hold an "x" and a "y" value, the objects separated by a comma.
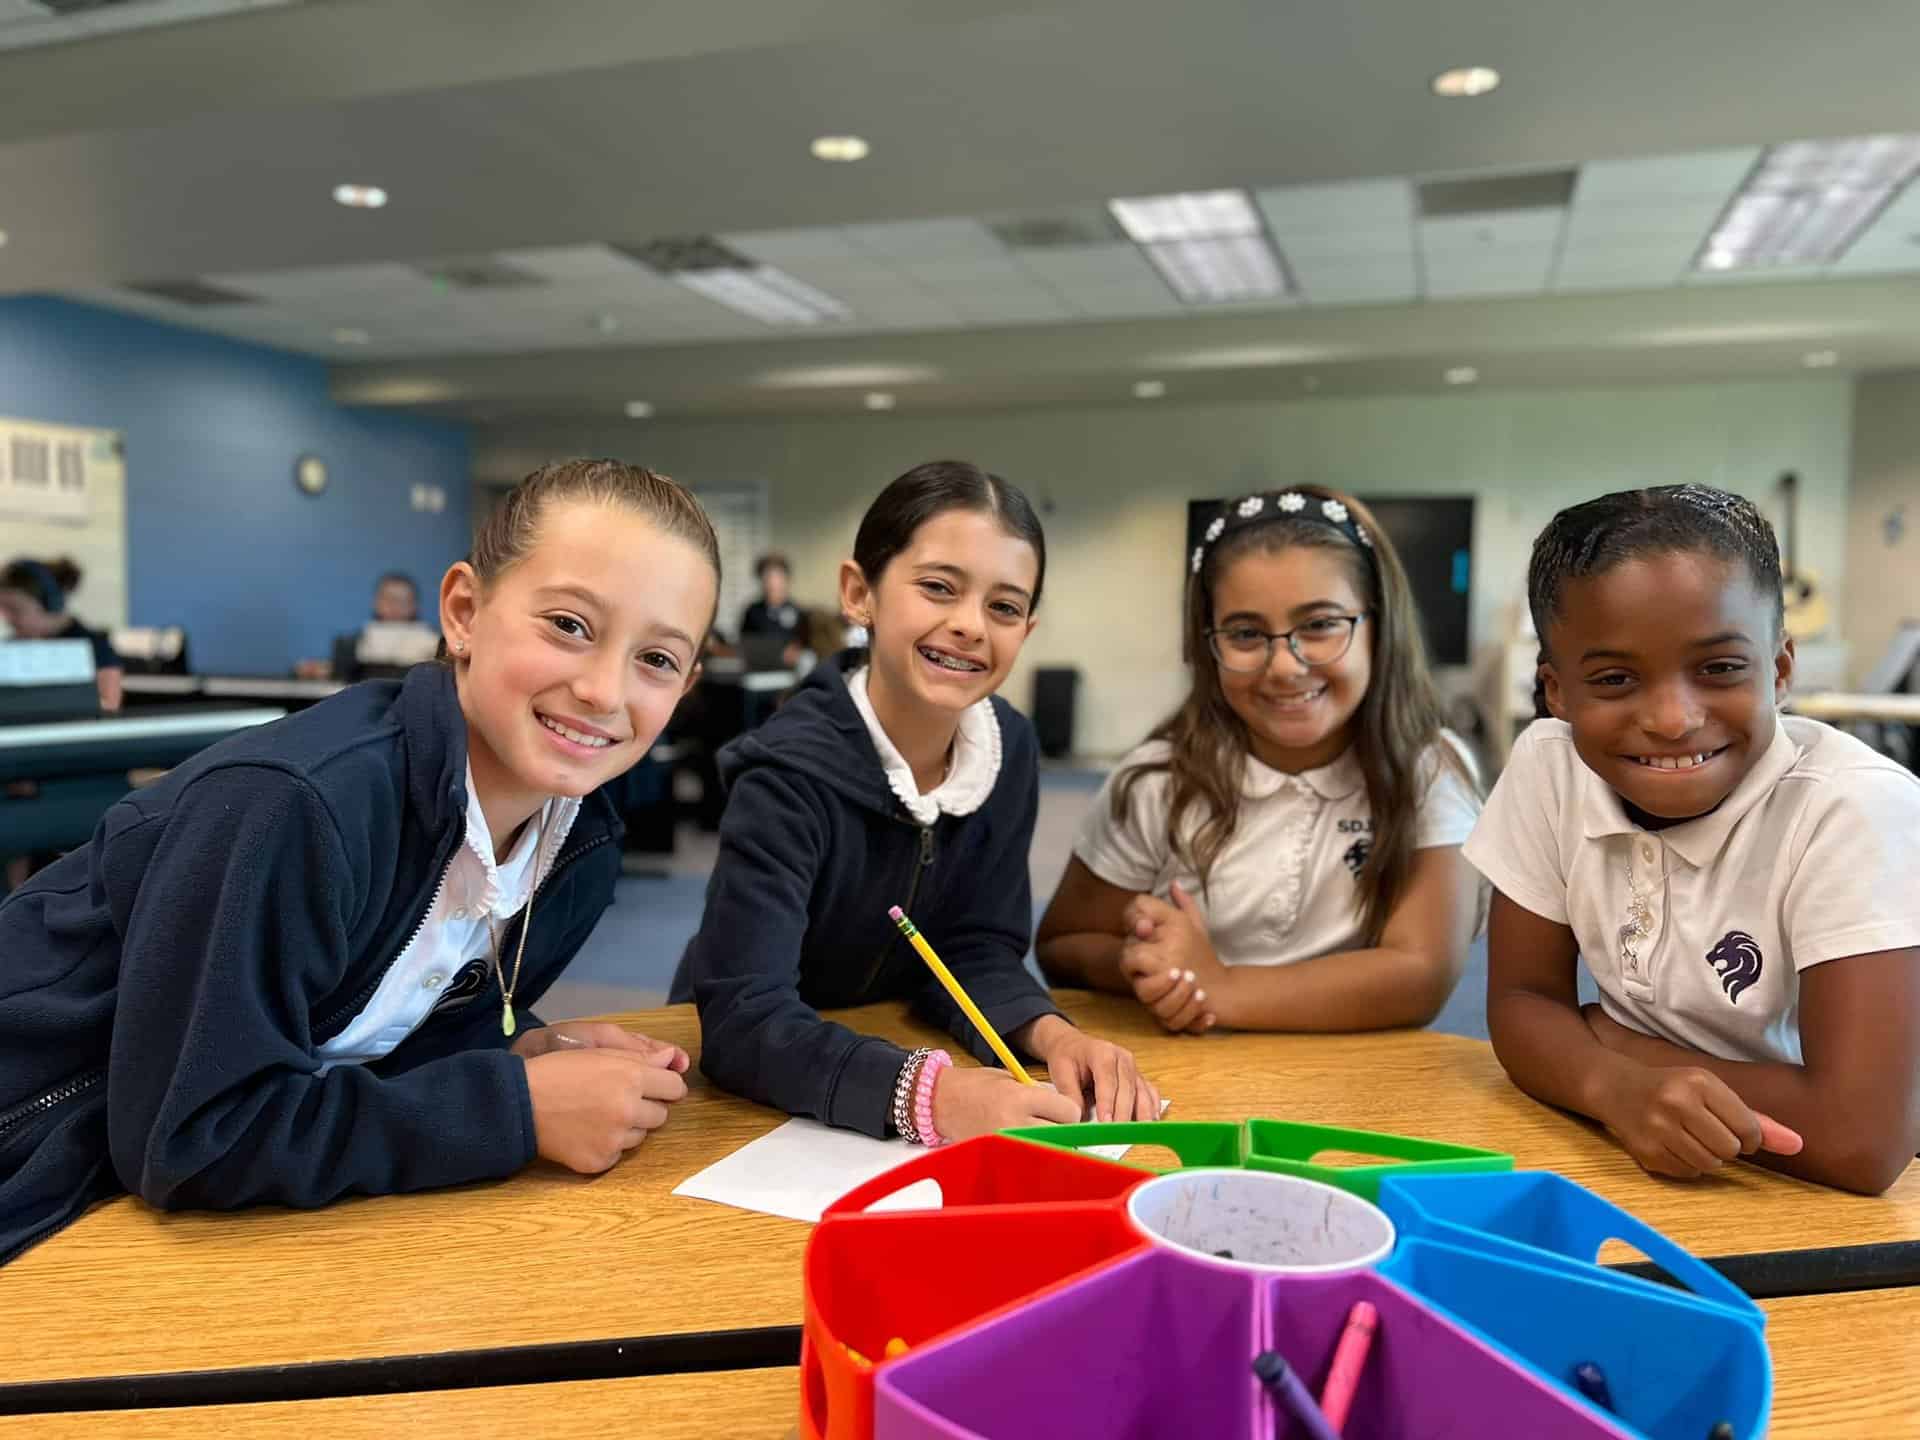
[
  {"x": 1356, "y": 856},
  {"x": 1736, "y": 960}
]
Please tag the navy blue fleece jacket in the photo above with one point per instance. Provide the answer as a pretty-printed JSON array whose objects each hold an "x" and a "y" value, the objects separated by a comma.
[
  {"x": 164, "y": 989},
  {"x": 814, "y": 847}
]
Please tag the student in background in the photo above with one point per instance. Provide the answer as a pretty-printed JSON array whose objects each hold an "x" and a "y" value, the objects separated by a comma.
[
  {"x": 300, "y": 965},
  {"x": 896, "y": 776},
  {"x": 33, "y": 600},
  {"x": 774, "y": 613},
  {"x": 396, "y": 601},
  {"x": 1740, "y": 883},
  {"x": 1283, "y": 853}
]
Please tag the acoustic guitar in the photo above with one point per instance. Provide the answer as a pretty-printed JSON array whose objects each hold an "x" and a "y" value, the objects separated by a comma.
[{"x": 1807, "y": 617}]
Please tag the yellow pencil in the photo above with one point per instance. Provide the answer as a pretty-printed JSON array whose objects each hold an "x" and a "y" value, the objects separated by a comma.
[{"x": 960, "y": 997}]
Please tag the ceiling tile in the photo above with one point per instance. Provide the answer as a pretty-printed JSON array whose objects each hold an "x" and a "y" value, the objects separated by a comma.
[
  {"x": 1486, "y": 234},
  {"x": 957, "y": 277},
  {"x": 1379, "y": 243},
  {"x": 1760, "y": 275},
  {"x": 785, "y": 247},
  {"x": 1014, "y": 308},
  {"x": 1622, "y": 267},
  {"x": 927, "y": 240},
  {"x": 1351, "y": 205},
  {"x": 1332, "y": 281},
  {"x": 1091, "y": 267},
  {"x": 1703, "y": 173},
  {"x": 1453, "y": 274},
  {"x": 566, "y": 264},
  {"x": 1624, "y": 223},
  {"x": 329, "y": 282},
  {"x": 1122, "y": 302}
]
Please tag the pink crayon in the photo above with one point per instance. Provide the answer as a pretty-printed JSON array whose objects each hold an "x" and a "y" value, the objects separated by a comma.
[{"x": 1349, "y": 1359}]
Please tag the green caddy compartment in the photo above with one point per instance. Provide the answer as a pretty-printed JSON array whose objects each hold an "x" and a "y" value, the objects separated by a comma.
[{"x": 1282, "y": 1146}]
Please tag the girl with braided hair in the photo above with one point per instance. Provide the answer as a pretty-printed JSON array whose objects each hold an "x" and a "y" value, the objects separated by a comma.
[{"x": 1738, "y": 882}]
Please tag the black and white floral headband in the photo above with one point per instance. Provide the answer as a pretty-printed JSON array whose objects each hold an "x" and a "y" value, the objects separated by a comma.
[{"x": 1282, "y": 505}]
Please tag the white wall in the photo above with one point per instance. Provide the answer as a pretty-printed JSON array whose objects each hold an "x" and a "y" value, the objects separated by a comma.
[
  {"x": 1883, "y": 568},
  {"x": 1119, "y": 480}
]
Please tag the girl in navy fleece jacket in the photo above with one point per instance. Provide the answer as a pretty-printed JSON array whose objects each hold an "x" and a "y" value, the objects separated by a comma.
[
  {"x": 895, "y": 776},
  {"x": 298, "y": 967}
]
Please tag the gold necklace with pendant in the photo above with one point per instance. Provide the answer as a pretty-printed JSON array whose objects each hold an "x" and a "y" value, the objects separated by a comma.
[{"x": 507, "y": 1024}]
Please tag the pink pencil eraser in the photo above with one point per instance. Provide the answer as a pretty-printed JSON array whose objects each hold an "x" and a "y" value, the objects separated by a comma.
[{"x": 896, "y": 913}]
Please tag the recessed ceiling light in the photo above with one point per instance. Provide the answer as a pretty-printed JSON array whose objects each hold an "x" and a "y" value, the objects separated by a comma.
[
  {"x": 3, "y": 237},
  {"x": 604, "y": 324},
  {"x": 1149, "y": 389},
  {"x": 1233, "y": 267},
  {"x": 844, "y": 148},
  {"x": 351, "y": 337},
  {"x": 1820, "y": 359},
  {"x": 1199, "y": 215},
  {"x": 639, "y": 409},
  {"x": 845, "y": 377},
  {"x": 1807, "y": 201},
  {"x": 1466, "y": 81},
  {"x": 879, "y": 400},
  {"x": 770, "y": 296},
  {"x": 360, "y": 197},
  {"x": 1462, "y": 375}
]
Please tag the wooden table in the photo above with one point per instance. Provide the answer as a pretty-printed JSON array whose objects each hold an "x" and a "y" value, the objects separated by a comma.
[
  {"x": 618, "y": 1264},
  {"x": 1837, "y": 707},
  {"x": 748, "y": 1404},
  {"x": 1846, "y": 1367}
]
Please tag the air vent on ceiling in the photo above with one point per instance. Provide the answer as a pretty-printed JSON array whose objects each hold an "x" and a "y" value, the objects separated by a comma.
[
  {"x": 191, "y": 292},
  {"x": 479, "y": 272},
  {"x": 673, "y": 254},
  {"x": 1057, "y": 229},
  {"x": 1488, "y": 194}
]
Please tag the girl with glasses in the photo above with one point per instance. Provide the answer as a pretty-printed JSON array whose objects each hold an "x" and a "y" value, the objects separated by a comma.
[{"x": 1283, "y": 853}]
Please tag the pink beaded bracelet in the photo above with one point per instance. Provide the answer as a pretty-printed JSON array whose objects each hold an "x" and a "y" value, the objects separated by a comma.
[{"x": 930, "y": 1069}]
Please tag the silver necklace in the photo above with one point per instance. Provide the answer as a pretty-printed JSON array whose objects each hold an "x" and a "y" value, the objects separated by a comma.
[{"x": 1639, "y": 925}]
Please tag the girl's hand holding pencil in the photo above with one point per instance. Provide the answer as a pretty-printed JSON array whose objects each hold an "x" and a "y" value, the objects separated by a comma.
[
  {"x": 1083, "y": 1068},
  {"x": 973, "y": 1100}
]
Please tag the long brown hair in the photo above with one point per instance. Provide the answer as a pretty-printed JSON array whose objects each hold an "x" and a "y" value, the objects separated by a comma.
[{"x": 1397, "y": 725}]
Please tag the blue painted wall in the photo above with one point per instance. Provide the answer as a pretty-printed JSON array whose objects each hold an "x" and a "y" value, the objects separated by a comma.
[{"x": 218, "y": 538}]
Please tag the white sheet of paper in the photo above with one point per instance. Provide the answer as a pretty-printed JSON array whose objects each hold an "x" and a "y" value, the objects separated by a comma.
[{"x": 803, "y": 1167}]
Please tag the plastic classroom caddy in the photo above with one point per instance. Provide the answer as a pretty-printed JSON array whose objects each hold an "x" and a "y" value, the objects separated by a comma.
[{"x": 1033, "y": 1302}]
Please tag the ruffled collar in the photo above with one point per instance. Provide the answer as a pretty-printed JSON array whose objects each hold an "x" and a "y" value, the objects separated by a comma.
[{"x": 976, "y": 759}]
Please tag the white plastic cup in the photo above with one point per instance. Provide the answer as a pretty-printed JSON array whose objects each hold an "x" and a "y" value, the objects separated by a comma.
[{"x": 1255, "y": 1219}]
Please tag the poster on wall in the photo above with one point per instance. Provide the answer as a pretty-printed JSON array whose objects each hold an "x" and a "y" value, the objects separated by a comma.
[
  {"x": 63, "y": 494},
  {"x": 46, "y": 470}
]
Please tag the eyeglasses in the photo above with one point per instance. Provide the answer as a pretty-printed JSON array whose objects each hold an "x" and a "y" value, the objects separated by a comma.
[{"x": 1247, "y": 649}]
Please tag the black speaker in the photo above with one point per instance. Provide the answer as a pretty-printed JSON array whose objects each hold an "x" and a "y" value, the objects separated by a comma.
[{"x": 1054, "y": 693}]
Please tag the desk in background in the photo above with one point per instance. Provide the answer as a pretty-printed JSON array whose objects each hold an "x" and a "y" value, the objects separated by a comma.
[
  {"x": 79, "y": 768},
  {"x": 279, "y": 691},
  {"x": 617, "y": 1271}
]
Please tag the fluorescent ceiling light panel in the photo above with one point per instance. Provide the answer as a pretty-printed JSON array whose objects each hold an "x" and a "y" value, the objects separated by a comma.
[
  {"x": 1202, "y": 215},
  {"x": 1805, "y": 202},
  {"x": 770, "y": 296},
  {"x": 1238, "y": 267}
]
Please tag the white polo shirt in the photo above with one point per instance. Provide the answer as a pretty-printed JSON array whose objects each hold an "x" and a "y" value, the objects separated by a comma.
[
  {"x": 449, "y": 960},
  {"x": 1284, "y": 888},
  {"x": 1808, "y": 860}
]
